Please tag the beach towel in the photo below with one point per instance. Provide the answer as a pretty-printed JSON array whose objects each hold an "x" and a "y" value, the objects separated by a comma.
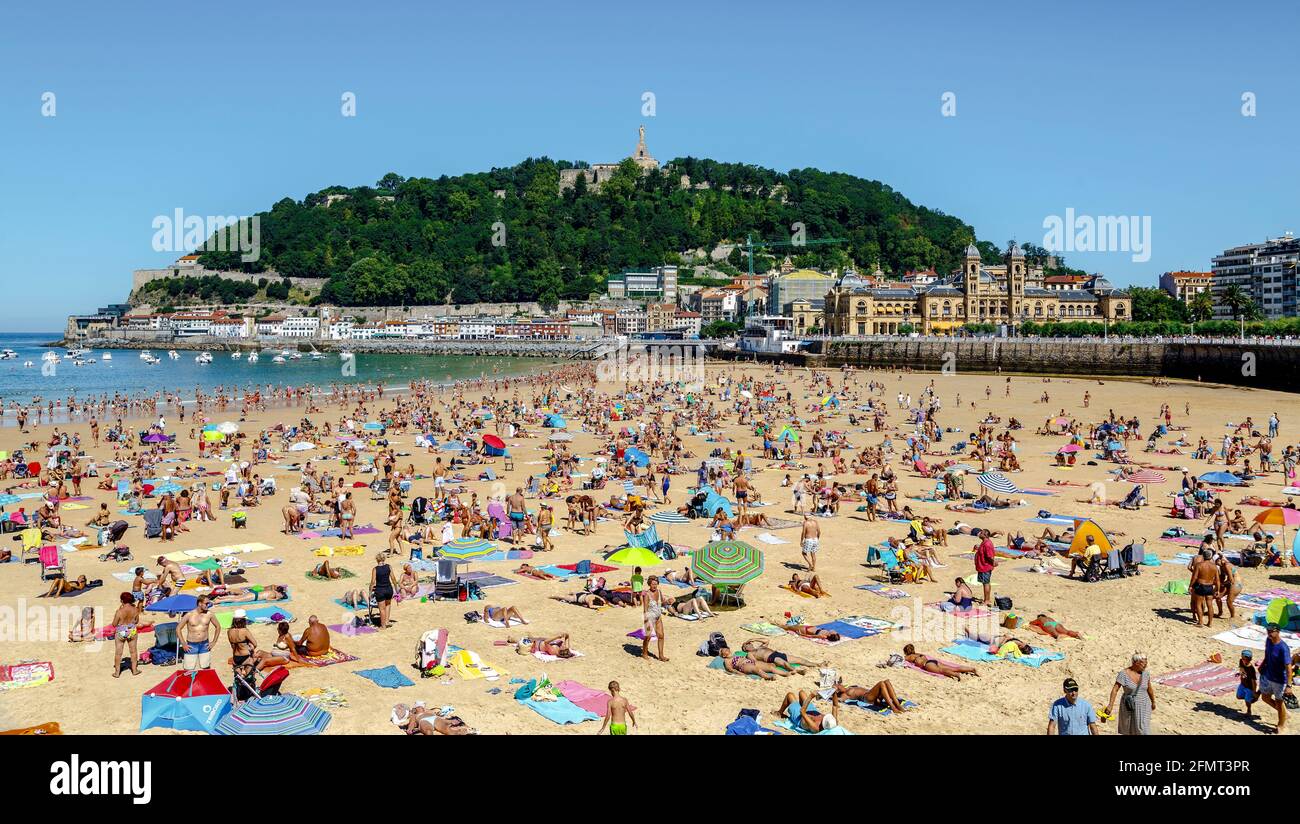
[
  {"x": 787, "y": 588},
  {"x": 973, "y": 650},
  {"x": 595, "y": 569},
  {"x": 763, "y": 628},
  {"x": 850, "y": 631},
  {"x": 878, "y": 709},
  {"x": 1178, "y": 587},
  {"x": 784, "y": 723},
  {"x": 543, "y": 656},
  {"x": 269, "y": 614},
  {"x": 21, "y": 676},
  {"x": 514, "y": 622},
  {"x": 560, "y": 711},
  {"x": 769, "y": 538},
  {"x": 343, "y": 575},
  {"x": 387, "y": 677},
  {"x": 469, "y": 666},
  {"x": 588, "y": 698},
  {"x": 334, "y": 656},
  {"x": 1207, "y": 679},
  {"x": 486, "y": 579},
  {"x": 893, "y": 593},
  {"x": 867, "y": 622}
]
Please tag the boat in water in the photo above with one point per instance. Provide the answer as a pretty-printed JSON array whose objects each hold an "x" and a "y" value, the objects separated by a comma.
[
  {"x": 252, "y": 357},
  {"x": 8, "y": 354},
  {"x": 146, "y": 355},
  {"x": 173, "y": 354},
  {"x": 108, "y": 356},
  {"x": 236, "y": 355},
  {"x": 203, "y": 358},
  {"x": 279, "y": 359},
  {"x": 150, "y": 359}
]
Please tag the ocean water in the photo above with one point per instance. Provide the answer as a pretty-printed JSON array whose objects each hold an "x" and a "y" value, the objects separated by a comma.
[{"x": 127, "y": 373}]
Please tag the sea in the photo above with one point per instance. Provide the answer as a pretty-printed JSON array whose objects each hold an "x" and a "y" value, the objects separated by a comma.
[{"x": 127, "y": 373}]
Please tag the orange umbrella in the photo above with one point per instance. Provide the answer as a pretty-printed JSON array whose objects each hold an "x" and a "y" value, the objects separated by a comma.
[{"x": 1279, "y": 516}]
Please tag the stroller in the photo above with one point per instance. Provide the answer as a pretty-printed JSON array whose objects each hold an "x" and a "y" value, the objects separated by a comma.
[
  {"x": 421, "y": 513},
  {"x": 379, "y": 488},
  {"x": 114, "y": 534},
  {"x": 245, "y": 686},
  {"x": 153, "y": 523}
]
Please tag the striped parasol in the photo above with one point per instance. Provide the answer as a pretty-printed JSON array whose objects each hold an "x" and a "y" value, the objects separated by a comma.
[
  {"x": 997, "y": 482},
  {"x": 1146, "y": 476},
  {"x": 670, "y": 516},
  {"x": 9, "y": 500},
  {"x": 727, "y": 563},
  {"x": 275, "y": 715},
  {"x": 464, "y": 549}
]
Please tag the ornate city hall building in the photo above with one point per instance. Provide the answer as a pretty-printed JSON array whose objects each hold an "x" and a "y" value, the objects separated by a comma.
[{"x": 1011, "y": 293}]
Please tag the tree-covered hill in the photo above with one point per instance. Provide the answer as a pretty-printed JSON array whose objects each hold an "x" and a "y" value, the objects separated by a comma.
[{"x": 509, "y": 234}]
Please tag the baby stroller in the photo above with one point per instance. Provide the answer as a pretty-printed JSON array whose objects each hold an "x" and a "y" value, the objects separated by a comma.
[
  {"x": 153, "y": 523},
  {"x": 245, "y": 686},
  {"x": 421, "y": 514},
  {"x": 114, "y": 534},
  {"x": 379, "y": 488}
]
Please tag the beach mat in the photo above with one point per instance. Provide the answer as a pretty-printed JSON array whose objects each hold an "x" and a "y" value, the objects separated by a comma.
[
  {"x": 589, "y": 698},
  {"x": 883, "y": 591},
  {"x": 561, "y": 711},
  {"x": 1207, "y": 679},
  {"x": 388, "y": 677},
  {"x": 976, "y": 651}
]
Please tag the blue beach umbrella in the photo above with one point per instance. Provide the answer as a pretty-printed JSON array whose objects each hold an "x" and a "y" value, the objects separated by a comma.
[
  {"x": 636, "y": 456},
  {"x": 1223, "y": 478},
  {"x": 174, "y": 604},
  {"x": 9, "y": 500},
  {"x": 275, "y": 715}
]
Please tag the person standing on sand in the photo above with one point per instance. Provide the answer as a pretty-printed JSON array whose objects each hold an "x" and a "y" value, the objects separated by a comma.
[
  {"x": 1139, "y": 700},
  {"x": 652, "y": 617},
  {"x": 347, "y": 515},
  {"x": 985, "y": 562},
  {"x": 617, "y": 711},
  {"x": 810, "y": 541},
  {"x": 1275, "y": 674},
  {"x": 126, "y": 633}
]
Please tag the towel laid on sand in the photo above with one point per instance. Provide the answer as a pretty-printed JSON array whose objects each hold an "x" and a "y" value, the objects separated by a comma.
[
  {"x": 388, "y": 677},
  {"x": 1207, "y": 679},
  {"x": 973, "y": 650}
]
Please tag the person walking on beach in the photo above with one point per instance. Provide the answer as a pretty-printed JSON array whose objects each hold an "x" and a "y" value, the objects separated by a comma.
[
  {"x": 652, "y": 617},
  {"x": 1275, "y": 674},
  {"x": 617, "y": 711},
  {"x": 1070, "y": 714},
  {"x": 810, "y": 541},
  {"x": 1139, "y": 698}
]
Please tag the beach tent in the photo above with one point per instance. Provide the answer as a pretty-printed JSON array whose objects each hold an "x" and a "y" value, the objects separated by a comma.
[
  {"x": 194, "y": 701},
  {"x": 716, "y": 501},
  {"x": 1083, "y": 527},
  {"x": 492, "y": 445},
  {"x": 555, "y": 422},
  {"x": 831, "y": 400},
  {"x": 788, "y": 434}
]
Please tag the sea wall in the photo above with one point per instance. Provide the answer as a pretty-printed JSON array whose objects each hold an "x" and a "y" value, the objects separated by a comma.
[
  {"x": 554, "y": 349},
  {"x": 1255, "y": 364}
]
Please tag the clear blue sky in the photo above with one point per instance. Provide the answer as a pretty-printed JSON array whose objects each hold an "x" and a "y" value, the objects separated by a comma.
[{"x": 1107, "y": 107}]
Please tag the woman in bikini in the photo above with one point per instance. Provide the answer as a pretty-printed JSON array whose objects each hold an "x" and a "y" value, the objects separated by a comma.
[
  {"x": 881, "y": 695},
  {"x": 934, "y": 665},
  {"x": 810, "y": 631},
  {"x": 408, "y": 586},
  {"x": 812, "y": 586},
  {"x": 419, "y": 720},
  {"x": 125, "y": 634},
  {"x": 1050, "y": 626},
  {"x": 247, "y": 657}
]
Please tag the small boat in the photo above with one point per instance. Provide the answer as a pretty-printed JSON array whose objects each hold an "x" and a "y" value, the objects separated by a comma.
[
  {"x": 236, "y": 355},
  {"x": 146, "y": 355},
  {"x": 108, "y": 356},
  {"x": 252, "y": 357},
  {"x": 28, "y": 364},
  {"x": 52, "y": 357},
  {"x": 173, "y": 354},
  {"x": 150, "y": 359},
  {"x": 203, "y": 358},
  {"x": 8, "y": 354},
  {"x": 278, "y": 359}
]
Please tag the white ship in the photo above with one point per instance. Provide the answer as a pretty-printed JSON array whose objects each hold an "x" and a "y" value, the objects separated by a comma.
[
  {"x": 146, "y": 355},
  {"x": 8, "y": 354},
  {"x": 150, "y": 359},
  {"x": 203, "y": 358},
  {"x": 278, "y": 359},
  {"x": 236, "y": 355}
]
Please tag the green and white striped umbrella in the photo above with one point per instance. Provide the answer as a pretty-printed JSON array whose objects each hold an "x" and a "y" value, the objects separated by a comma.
[
  {"x": 727, "y": 563},
  {"x": 670, "y": 516},
  {"x": 464, "y": 549}
]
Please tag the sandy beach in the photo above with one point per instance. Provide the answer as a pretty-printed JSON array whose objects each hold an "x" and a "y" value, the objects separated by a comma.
[{"x": 684, "y": 695}]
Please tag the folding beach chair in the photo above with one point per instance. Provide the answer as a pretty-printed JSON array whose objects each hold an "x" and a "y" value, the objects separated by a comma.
[
  {"x": 734, "y": 595},
  {"x": 646, "y": 540},
  {"x": 893, "y": 569},
  {"x": 32, "y": 541},
  {"x": 447, "y": 582},
  {"x": 51, "y": 564}
]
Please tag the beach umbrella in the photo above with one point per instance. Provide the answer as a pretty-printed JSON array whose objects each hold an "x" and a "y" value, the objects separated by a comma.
[
  {"x": 669, "y": 516},
  {"x": 213, "y": 436},
  {"x": 727, "y": 563},
  {"x": 636, "y": 456},
  {"x": 194, "y": 701},
  {"x": 453, "y": 446},
  {"x": 464, "y": 549},
  {"x": 228, "y": 428},
  {"x": 1224, "y": 478},
  {"x": 634, "y": 556},
  {"x": 1279, "y": 516},
  {"x": 493, "y": 445},
  {"x": 997, "y": 482},
  {"x": 154, "y": 438},
  {"x": 373, "y": 425},
  {"x": 9, "y": 500},
  {"x": 174, "y": 604},
  {"x": 302, "y": 446},
  {"x": 275, "y": 715},
  {"x": 1069, "y": 447},
  {"x": 1145, "y": 477}
]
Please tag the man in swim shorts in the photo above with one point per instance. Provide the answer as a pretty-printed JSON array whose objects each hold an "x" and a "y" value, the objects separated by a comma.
[
  {"x": 197, "y": 631},
  {"x": 617, "y": 711},
  {"x": 810, "y": 541}
]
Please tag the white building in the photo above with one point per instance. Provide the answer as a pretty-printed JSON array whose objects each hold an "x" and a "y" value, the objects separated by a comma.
[
  {"x": 341, "y": 330},
  {"x": 1268, "y": 273},
  {"x": 189, "y": 324},
  {"x": 270, "y": 325},
  {"x": 300, "y": 327},
  {"x": 227, "y": 328},
  {"x": 476, "y": 329}
]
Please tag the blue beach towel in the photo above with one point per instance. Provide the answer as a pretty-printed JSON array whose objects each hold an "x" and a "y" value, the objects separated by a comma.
[
  {"x": 976, "y": 651},
  {"x": 877, "y": 709},
  {"x": 388, "y": 677},
  {"x": 561, "y": 711},
  {"x": 849, "y": 630}
]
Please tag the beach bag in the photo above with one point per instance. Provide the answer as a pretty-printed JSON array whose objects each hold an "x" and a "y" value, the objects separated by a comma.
[
  {"x": 714, "y": 645},
  {"x": 583, "y": 567},
  {"x": 1002, "y": 602}
]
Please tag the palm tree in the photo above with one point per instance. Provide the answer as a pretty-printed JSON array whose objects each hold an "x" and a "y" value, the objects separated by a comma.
[{"x": 1201, "y": 307}]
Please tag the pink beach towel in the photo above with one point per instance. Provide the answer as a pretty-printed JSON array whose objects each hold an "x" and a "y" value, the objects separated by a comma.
[
  {"x": 1207, "y": 678},
  {"x": 591, "y": 700}
]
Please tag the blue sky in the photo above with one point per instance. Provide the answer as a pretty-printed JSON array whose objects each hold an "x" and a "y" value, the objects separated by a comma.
[{"x": 1109, "y": 108}]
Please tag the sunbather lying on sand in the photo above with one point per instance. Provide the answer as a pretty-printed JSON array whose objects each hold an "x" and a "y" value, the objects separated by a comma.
[
  {"x": 533, "y": 572},
  {"x": 810, "y": 631},
  {"x": 803, "y": 715},
  {"x": 925, "y": 662},
  {"x": 502, "y": 615},
  {"x": 590, "y": 600},
  {"x": 324, "y": 570},
  {"x": 419, "y": 720},
  {"x": 881, "y": 695},
  {"x": 690, "y": 604},
  {"x": 556, "y": 645},
  {"x": 760, "y": 651},
  {"x": 746, "y": 665},
  {"x": 812, "y": 586},
  {"x": 1050, "y": 626}
]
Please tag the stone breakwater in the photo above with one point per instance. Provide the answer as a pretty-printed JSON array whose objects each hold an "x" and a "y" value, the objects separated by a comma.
[{"x": 552, "y": 349}]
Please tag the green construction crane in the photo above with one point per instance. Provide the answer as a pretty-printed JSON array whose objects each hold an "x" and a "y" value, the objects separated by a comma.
[{"x": 751, "y": 245}]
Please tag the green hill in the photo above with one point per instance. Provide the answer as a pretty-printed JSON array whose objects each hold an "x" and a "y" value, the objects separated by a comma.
[{"x": 422, "y": 241}]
